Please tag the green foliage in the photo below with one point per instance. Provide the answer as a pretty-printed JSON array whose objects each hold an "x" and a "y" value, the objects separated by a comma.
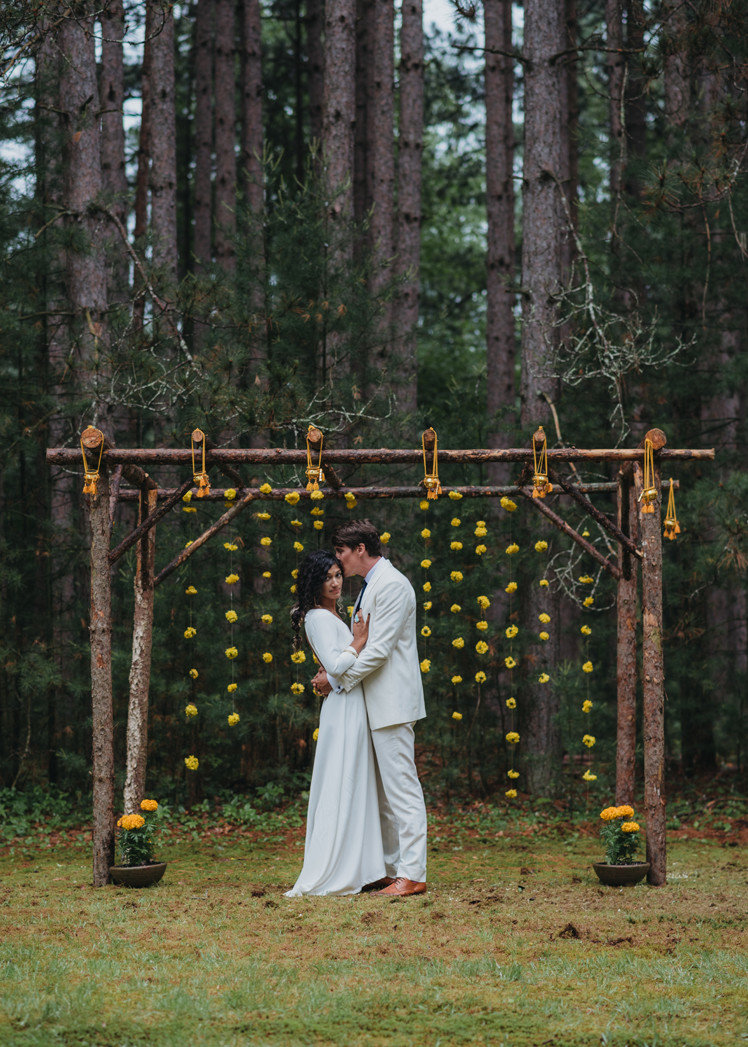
[
  {"x": 136, "y": 836},
  {"x": 620, "y": 834}
]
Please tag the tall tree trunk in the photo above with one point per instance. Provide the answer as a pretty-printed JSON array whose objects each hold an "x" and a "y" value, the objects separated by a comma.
[
  {"x": 112, "y": 93},
  {"x": 315, "y": 21},
  {"x": 225, "y": 125},
  {"x": 364, "y": 84},
  {"x": 203, "y": 133},
  {"x": 142, "y": 178},
  {"x": 500, "y": 264},
  {"x": 163, "y": 181},
  {"x": 634, "y": 106},
  {"x": 409, "y": 177},
  {"x": 252, "y": 137}
]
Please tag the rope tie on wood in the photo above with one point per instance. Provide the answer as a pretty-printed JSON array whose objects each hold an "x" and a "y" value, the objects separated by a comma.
[
  {"x": 314, "y": 474},
  {"x": 431, "y": 477},
  {"x": 649, "y": 491},
  {"x": 201, "y": 478},
  {"x": 672, "y": 527},
  {"x": 91, "y": 476},
  {"x": 541, "y": 485}
]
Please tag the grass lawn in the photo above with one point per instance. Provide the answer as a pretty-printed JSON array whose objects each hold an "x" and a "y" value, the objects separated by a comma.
[{"x": 514, "y": 944}]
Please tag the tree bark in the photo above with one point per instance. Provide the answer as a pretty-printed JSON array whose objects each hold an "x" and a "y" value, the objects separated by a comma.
[
  {"x": 627, "y": 647},
  {"x": 225, "y": 129},
  {"x": 339, "y": 105},
  {"x": 252, "y": 137},
  {"x": 316, "y": 58},
  {"x": 112, "y": 93},
  {"x": 140, "y": 228},
  {"x": 364, "y": 86},
  {"x": 203, "y": 133},
  {"x": 163, "y": 180}
]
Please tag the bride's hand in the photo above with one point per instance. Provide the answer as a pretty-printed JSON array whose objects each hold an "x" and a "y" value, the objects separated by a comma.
[{"x": 360, "y": 632}]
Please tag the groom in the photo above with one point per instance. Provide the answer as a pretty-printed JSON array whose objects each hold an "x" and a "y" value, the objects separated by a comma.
[{"x": 390, "y": 673}]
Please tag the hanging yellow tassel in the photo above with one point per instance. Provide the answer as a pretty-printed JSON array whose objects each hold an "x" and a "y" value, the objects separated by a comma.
[
  {"x": 672, "y": 527},
  {"x": 91, "y": 476},
  {"x": 201, "y": 478},
  {"x": 541, "y": 486},
  {"x": 649, "y": 493},
  {"x": 314, "y": 474},
  {"x": 431, "y": 477}
]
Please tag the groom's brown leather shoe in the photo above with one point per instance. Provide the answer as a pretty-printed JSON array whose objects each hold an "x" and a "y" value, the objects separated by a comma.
[
  {"x": 377, "y": 885},
  {"x": 402, "y": 888}
]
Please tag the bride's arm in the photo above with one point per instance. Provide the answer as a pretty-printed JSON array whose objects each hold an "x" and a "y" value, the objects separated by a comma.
[{"x": 325, "y": 639}]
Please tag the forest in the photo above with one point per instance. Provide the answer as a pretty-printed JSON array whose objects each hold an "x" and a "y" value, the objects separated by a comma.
[{"x": 250, "y": 218}]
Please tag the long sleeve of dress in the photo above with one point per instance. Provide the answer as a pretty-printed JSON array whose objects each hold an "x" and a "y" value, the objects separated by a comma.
[{"x": 329, "y": 639}]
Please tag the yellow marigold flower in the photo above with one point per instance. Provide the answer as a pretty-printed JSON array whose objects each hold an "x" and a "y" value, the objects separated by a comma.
[
  {"x": 544, "y": 636},
  {"x": 586, "y": 579},
  {"x": 589, "y": 740},
  {"x": 543, "y": 678},
  {"x": 231, "y": 616},
  {"x": 316, "y": 496},
  {"x": 267, "y": 574},
  {"x": 481, "y": 647},
  {"x": 541, "y": 546},
  {"x": 316, "y": 511},
  {"x": 455, "y": 521},
  {"x": 191, "y": 590},
  {"x": 292, "y": 588},
  {"x": 511, "y": 794},
  {"x": 480, "y": 523},
  {"x": 188, "y": 509},
  {"x": 297, "y": 688},
  {"x": 512, "y": 774},
  {"x": 544, "y": 618},
  {"x": 455, "y": 496},
  {"x": 190, "y": 710},
  {"x": 423, "y": 504},
  {"x": 511, "y": 588},
  {"x": 131, "y": 821},
  {"x": 456, "y": 679},
  {"x": 455, "y": 546},
  {"x": 229, "y": 494},
  {"x": 265, "y": 489},
  {"x": 630, "y": 827},
  {"x": 425, "y": 533},
  {"x": 187, "y": 497},
  {"x": 425, "y": 631},
  {"x": 585, "y": 630},
  {"x": 149, "y": 805},
  {"x": 191, "y": 763},
  {"x": 512, "y": 549},
  {"x": 587, "y": 667},
  {"x": 232, "y": 579},
  {"x": 480, "y": 550},
  {"x": 298, "y": 547},
  {"x": 543, "y": 583},
  {"x": 426, "y": 665},
  {"x": 456, "y": 716},
  {"x": 512, "y": 737},
  {"x": 295, "y": 572},
  {"x": 458, "y": 642},
  {"x": 588, "y": 601},
  {"x": 589, "y": 776},
  {"x": 426, "y": 587},
  {"x": 427, "y": 605},
  {"x": 456, "y": 576},
  {"x": 230, "y": 546},
  {"x": 425, "y": 564},
  {"x": 262, "y": 516},
  {"x": 455, "y": 608},
  {"x": 266, "y": 541},
  {"x": 189, "y": 632},
  {"x": 480, "y": 676},
  {"x": 296, "y": 523},
  {"x": 315, "y": 734},
  {"x": 385, "y": 537},
  {"x": 483, "y": 602},
  {"x": 350, "y": 501},
  {"x": 267, "y": 657},
  {"x": 194, "y": 674},
  {"x": 232, "y": 687},
  {"x": 298, "y": 657},
  {"x": 266, "y": 619},
  {"x": 187, "y": 545},
  {"x": 511, "y": 703},
  {"x": 292, "y": 497},
  {"x": 511, "y": 632},
  {"x": 480, "y": 532},
  {"x": 508, "y": 504},
  {"x": 585, "y": 533},
  {"x": 609, "y": 813},
  {"x": 586, "y": 706},
  {"x": 509, "y": 662},
  {"x": 482, "y": 625},
  {"x": 233, "y": 719},
  {"x": 625, "y": 811},
  {"x": 231, "y": 652}
]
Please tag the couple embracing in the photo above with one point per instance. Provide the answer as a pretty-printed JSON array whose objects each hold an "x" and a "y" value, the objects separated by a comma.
[{"x": 366, "y": 824}]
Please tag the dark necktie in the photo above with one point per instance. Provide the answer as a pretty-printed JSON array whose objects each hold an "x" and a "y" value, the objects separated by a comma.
[{"x": 360, "y": 596}]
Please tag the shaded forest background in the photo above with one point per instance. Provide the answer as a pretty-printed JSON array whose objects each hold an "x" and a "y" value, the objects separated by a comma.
[{"x": 251, "y": 217}]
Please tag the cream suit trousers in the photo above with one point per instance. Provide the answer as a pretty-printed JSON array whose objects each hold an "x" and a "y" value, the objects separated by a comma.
[{"x": 401, "y": 806}]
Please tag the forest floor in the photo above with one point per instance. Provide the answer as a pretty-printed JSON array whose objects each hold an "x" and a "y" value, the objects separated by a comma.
[{"x": 515, "y": 943}]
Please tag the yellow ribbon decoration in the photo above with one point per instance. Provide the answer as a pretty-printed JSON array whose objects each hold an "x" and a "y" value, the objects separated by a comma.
[
  {"x": 541, "y": 486},
  {"x": 91, "y": 476},
  {"x": 431, "y": 478},
  {"x": 672, "y": 527},
  {"x": 314, "y": 473},
  {"x": 200, "y": 478},
  {"x": 649, "y": 492}
]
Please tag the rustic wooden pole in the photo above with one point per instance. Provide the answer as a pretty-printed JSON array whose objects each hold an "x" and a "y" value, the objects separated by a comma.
[
  {"x": 150, "y": 521},
  {"x": 567, "y": 529},
  {"x": 614, "y": 529},
  {"x": 626, "y": 648},
  {"x": 653, "y": 680},
  {"x": 100, "y": 628},
  {"x": 140, "y": 667}
]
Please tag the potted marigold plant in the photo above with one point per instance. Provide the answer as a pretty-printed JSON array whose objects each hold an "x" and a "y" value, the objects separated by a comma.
[
  {"x": 620, "y": 832},
  {"x": 135, "y": 842}
]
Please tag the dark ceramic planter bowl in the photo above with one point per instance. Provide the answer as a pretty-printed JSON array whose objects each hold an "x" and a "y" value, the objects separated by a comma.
[
  {"x": 137, "y": 875},
  {"x": 620, "y": 875}
]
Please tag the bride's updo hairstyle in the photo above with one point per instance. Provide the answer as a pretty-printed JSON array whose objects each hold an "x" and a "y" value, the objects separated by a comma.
[{"x": 312, "y": 574}]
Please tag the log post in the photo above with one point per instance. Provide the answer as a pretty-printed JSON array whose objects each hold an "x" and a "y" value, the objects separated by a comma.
[
  {"x": 140, "y": 668},
  {"x": 626, "y": 648},
  {"x": 100, "y": 629},
  {"x": 653, "y": 676}
]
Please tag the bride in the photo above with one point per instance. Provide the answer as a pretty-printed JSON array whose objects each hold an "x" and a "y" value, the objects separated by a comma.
[{"x": 343, "y": 848}]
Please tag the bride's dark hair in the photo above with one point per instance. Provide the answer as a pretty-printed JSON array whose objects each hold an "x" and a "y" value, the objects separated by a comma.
[{"x": 312, "y": 574}]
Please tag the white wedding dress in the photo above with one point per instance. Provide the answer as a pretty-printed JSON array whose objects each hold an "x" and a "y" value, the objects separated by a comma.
[{"x": 343, "y": 848}]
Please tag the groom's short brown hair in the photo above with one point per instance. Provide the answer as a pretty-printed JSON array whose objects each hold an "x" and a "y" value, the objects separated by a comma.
[{"x": 358, "y": 532}]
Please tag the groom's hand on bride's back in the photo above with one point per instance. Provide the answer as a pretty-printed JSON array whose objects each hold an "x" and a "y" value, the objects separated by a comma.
[{"x": 321, "y": 684}]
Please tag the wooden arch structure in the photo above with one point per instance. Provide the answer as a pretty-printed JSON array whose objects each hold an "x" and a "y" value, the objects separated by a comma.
[{"x": 635, "y": 530}]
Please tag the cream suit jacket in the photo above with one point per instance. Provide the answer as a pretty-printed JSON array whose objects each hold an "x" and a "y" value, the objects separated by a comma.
[{"x": 388, "y": 667}]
